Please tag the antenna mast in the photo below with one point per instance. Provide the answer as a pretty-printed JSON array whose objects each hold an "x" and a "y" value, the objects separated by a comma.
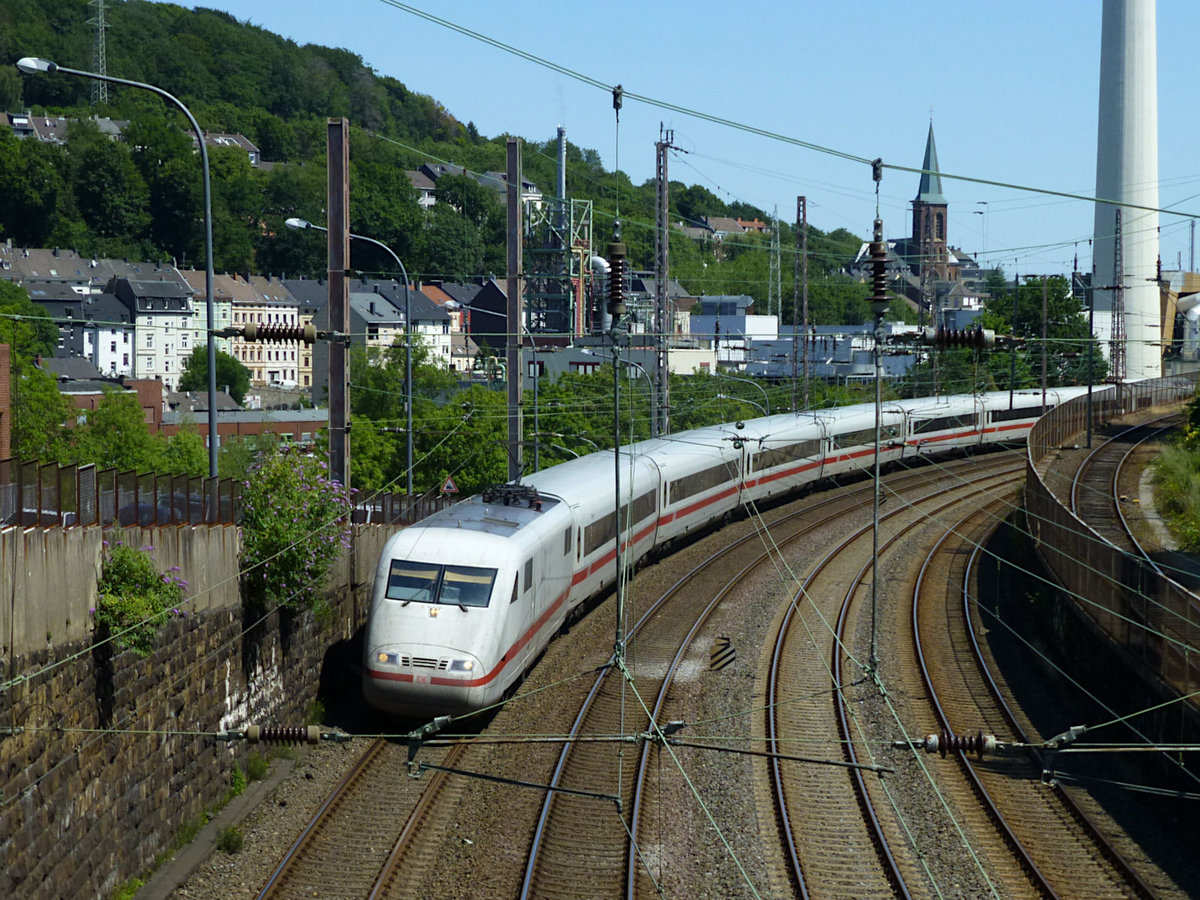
[{"x": 99, "y": 54}]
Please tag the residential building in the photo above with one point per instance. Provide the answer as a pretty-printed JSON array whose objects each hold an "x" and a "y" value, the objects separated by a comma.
[
  {"x": 425, "y": 187},
  {"x": 310, "y": 297},
  {"x": 162, "y": 318},
  {"x": 270, "y": 363},
  {"x": 197, "y": 282},
  {"x": 95, "y": 327}
]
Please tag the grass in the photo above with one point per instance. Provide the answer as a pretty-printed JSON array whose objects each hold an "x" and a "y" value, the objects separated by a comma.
[{"x": 1177, "y": 494}]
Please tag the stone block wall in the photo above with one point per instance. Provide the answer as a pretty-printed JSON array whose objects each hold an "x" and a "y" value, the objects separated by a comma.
[{"x": 113, "y": 754}]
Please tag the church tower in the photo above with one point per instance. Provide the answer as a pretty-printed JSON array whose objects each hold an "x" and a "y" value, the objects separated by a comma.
[{"x": 929, "y": 218}]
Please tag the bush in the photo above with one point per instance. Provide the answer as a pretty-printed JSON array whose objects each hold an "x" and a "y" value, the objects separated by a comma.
[
  {"x": 294, "y": 520},
  {"x": 135, "y": 598},
  {"x": 257, "y": 766},
  {"x": 230, "y": 839}
]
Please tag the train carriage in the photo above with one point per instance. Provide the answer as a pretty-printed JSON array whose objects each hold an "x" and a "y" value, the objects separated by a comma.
[{"x": 465, "y": 600}]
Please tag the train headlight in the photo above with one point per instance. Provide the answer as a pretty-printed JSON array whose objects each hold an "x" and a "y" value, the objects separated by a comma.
[
  {"x": 385, "y": 657},
  {"x": 462, "y": 665}
]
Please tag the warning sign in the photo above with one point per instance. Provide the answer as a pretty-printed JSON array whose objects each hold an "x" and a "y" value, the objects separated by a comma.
[{"x": 449, "y": 487}]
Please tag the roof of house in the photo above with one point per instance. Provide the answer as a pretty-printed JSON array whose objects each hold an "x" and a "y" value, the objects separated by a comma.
[
  {"x": 723, "y": 224},
  {"x": 309, "y": 293},
  {"x": 197, "y": 401},
  {"x": 70, "y": 368},
  {"x": 420, "y": 180}
]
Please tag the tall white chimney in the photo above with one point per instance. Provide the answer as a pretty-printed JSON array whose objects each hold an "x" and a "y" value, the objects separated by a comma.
[{"x": 1127, "y": 172}]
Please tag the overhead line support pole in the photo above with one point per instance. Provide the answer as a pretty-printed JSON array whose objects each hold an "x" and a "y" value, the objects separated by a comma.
[
  {"x": 515, "y": 313},
  {"x": 338, "y": 223}
]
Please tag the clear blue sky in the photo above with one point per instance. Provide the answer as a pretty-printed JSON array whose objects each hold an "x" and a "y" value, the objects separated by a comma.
[{"x": 1013, "y": 89}]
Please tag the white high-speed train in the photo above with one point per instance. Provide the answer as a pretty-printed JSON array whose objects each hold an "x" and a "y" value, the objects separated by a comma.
[{"x": 466, "y": 599}]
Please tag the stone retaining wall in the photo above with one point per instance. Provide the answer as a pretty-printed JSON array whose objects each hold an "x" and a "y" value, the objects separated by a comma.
[{"x": 113, "y": 754}]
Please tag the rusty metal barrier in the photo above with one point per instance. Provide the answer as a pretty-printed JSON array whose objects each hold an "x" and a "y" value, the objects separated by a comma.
[
  {"x": 1152, "y": 617},
  {"x": 48, "y": 495}
]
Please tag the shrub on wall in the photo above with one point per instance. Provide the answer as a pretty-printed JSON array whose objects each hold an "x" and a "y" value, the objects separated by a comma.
[
  {"x": 135, "y": 598},
  {"x": 294, "y": 520}
]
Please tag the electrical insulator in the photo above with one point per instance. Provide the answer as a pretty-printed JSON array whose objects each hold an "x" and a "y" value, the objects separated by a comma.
[
  {"x": 310, "y": 734},
  {"x": 879, "y": 297},
  {"x": 277, "y": 334},
  {"x": 975, "y": 338},
  {"x": 616, "y": 274},
  {"x": 978, "y": 743}
]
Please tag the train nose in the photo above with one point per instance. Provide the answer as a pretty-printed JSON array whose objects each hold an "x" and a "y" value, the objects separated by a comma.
[{"x": 414, "y": 679}]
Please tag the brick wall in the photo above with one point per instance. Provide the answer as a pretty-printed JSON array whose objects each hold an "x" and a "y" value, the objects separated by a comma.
[{"x": 105, "y": 769}]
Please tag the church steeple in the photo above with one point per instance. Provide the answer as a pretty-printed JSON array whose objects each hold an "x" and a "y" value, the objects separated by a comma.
[
  {"x": 929, "y": 217},
  {"x": 930, "y": 190}
]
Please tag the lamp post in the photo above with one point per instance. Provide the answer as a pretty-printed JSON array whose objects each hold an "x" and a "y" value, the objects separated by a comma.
[
  {"x": 31, "y": 65},
  {"x": 304, "y": 224},
  {"x": 537, "y": 374},
  {"x": 617, "y": 363},
  {"x": 766, "y": 401},
  {"x": 753, "y": 403}
]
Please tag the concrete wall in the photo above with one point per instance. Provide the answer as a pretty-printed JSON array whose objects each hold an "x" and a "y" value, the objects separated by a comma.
[
  {"x": 48, "y": 586},
  {"x": 112, "y": 754}
]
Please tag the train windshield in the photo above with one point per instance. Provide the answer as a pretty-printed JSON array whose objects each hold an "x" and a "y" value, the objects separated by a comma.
[{"x": 460, "y": 586}]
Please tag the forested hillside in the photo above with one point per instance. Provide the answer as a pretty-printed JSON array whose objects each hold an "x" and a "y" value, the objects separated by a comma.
[{"x": 142, "y": 197}]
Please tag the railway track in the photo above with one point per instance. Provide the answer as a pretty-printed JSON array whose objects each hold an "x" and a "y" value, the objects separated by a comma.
[
  {"x": 355, "y": 845},
  {"x": 1096, "y": 493},
  {"x": 839, "y": 841},
  {"x": 1030, "y": 835},
  {"x": 612, "y": 863},
  {"x": 659, "y": 645}
]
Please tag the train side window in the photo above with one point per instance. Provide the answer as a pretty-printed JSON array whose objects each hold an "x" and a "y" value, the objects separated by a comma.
[
  {"x": 567, "y": 542},
  {"x": 513, "y": 599},
  {"x": 579, "y": 545},
  {"x": 528, "y": 574}
]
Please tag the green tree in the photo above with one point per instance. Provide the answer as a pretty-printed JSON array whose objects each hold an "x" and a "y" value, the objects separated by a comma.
[
  {"x": 110, "y": 192},
  {"x": 231, "y": 374},
  {"x": 40, "y": 414},
  {"x": 468, "y": 197},
  {"x": 114, "y": 435},
  {"x": 24, "y": 325},
  {"x": 32, "y": 185},
  {"x": 237, "y": 456},
  {"x": 185, "y": 453}
]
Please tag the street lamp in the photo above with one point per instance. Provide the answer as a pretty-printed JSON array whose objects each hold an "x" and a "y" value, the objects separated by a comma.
[
  {"x": 31, "y": 65},
  {"x": 304, "y": 224},
  {"x": 753, "y": 403},
  {"x": 537, "y": 376},
  {"x": 766, "y": 401}
]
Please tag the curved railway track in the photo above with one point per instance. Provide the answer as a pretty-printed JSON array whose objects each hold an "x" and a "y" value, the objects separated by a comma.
[
  {"x": 1096, "y": 495},
  {"x": 1053, "y": 847},
  {"x": 836, "y": 840},
  {"x": 555, "y": 867},
  {"x": 659, "y": 646}
]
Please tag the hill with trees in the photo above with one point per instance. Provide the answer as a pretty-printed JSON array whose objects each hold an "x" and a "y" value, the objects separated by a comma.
[{"x": 140, "y": 197}]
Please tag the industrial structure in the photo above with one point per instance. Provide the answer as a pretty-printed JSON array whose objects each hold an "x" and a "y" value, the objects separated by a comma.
[{"x": 1125, "y": 258}]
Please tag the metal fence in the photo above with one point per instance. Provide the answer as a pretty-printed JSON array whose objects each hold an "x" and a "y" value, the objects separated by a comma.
[
  {"x": 47, "y": 495},
  {"x": 36, "y": 494},
  {"x": 382, "y": 508},
  {"x": 1152, "y": 617}
]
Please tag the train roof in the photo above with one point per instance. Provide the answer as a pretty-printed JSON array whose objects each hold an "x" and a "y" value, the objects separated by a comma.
[{"x": 489, "y": 513}]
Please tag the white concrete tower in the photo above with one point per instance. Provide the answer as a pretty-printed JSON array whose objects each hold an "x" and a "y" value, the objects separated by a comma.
[{"x": 1127, "y": 172}]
